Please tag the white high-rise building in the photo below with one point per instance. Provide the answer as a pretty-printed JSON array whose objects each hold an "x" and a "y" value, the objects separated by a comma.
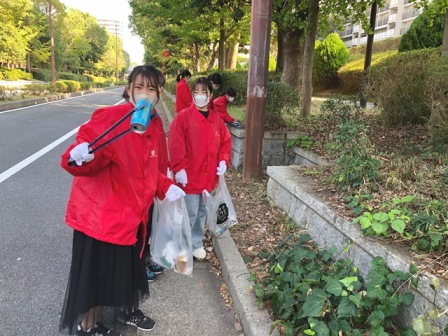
[{"x": 392, "y": 20}]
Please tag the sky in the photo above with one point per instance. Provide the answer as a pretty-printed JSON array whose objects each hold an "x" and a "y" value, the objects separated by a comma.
[{"x": 113, "y": 10}]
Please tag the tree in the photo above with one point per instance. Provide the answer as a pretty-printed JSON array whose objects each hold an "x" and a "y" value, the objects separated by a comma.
[
  {"x": 330, "y": 55},
  {"x": 15, "y": 32},
  {"x": 426, "y": 30}
]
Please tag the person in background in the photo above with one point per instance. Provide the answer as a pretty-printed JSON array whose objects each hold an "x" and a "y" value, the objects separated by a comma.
[
  {"x": 108, "y": 207},
  {"x": 183, "y": 93},
  {"x": 220, "y": 107},
  {"x": 216, "y": 80},
  {"x": 199, "y": 145}
]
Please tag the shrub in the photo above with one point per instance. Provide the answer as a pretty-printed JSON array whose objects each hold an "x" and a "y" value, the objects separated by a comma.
[
  {"x": 438, "y": 84},
  {"x": 86, "y": 85},
  {"x": 36, "y": 89},
  {"x": 72, "y": 86},
  {"x": 426, "y": 30},
  {"x": 329, "y": 56},
  {"x": 281, "y": 100},
  {"x": 72, "y": 76},
  {"x": 351, "y": 75},
  {"x": 14, "y": 74},
  {"x": 42, "y": 75},
  {"x": 388, "y": 44},
  {"x": 61, "y": 87},
  {"x": 8, "y": 93},
  {"x": 399, "y": 85}
]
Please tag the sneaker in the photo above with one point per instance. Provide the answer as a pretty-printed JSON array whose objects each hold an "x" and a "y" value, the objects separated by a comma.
[
  {"x": 150, "y": 275},
  {"x": 102, "y": 330},
  {"x": 99, "y": 330},
  {"x": 155, "y": 267},
  {"x": 199, "y": 253},
  {"x": 138, "y": 319}
]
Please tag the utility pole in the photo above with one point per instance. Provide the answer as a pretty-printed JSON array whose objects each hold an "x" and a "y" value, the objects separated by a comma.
[
  {"x": 117, "y": 75},
  {"x": 260, "y": 32},
  {"x": 53, "y": 60},
  {"x": 368, "y": 59}
]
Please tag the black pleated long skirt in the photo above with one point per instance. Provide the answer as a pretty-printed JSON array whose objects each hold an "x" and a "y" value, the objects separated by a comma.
[{"x": 103, "y": 275}]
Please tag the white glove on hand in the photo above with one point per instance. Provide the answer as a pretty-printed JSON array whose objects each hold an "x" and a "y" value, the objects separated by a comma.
[
  {"x": 181, "y": 177},
  {"x": 80, "y": 153},
  {"x": 221, "y": 168},
  {"x": 174, "y": 193}
]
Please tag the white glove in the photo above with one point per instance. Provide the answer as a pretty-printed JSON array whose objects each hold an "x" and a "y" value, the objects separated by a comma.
[
  {"x": 80, "y": 153},
  {"x": 221, "y": 168},
  {"x": 174, "y": 193},
  {"x": 181, "y": 177}
]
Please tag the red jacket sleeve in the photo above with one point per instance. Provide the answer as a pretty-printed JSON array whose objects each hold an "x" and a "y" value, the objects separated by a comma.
[
  {"x": 220, "y": 107},
  {"x": 87, "y": 133},
  {"x": 225, "y": 151},
  {"x": 183, "y": 96}
]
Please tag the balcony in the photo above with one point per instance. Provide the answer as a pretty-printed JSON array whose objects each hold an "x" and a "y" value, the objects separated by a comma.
[
  {"x": 383, "y": 9},
  {"x": 382, "y": 22},
  {"x": 348, "y": 44},
  {"x": 392, "y": 18},
  {"x": 393, "y": 4},
  {"x": 356, "y": 29},
  {"x": 410, "y": 14}
]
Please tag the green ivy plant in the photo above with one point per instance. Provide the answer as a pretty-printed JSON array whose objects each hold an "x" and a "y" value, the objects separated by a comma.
[
  {"x": 303, "y": 141},
  {"x": 310, "y": 292}
]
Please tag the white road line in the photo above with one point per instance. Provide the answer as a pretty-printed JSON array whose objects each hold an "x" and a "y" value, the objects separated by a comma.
[
  {"x": 18, "y": 167},
  {"x": 14, "y": 169}
]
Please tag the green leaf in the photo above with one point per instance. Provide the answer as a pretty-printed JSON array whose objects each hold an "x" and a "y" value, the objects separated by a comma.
[
  {"x": 314, "y": 303},
  {"x": 379, "y": 227},
  {"x": 348, "y": 282},
  {"x": 356, "y": 299},
  {"x": 278, "y": 269},
  {"x": 409, "y": 332},
  {"x": 346, "y": 308},
  {"x": 398, "y": 225},
  {"x": 365, "y": 222},
  {"x": 322, "y": 329},
  {"x": 334, "y": 287},
  {"x": 406, "y": 298},
  {"x": 376, "y": 318},
  {"x": 381, "y": 217},
  {"x": 379, "y": 331}
]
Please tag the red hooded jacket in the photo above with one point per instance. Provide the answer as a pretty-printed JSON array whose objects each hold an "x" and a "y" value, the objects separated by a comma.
[
  {"x": 111, "y": 194},
  {"x": 220, "y": 107},
  {"x": 183, "y": 95},
  {"x": 197, "y": 144}
]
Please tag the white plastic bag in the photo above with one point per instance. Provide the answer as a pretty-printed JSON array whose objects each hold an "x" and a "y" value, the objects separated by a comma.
[
  {"x": 221, "y": 214},
  {"x": 170, "y": 241}
]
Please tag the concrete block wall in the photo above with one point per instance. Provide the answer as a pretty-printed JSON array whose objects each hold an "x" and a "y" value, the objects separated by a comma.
[{"x": 294, "y": 194}]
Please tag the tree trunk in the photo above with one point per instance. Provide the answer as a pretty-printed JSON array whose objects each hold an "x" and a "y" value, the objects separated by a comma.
[
  {"x": 232, "y": 54},
  {"x": 53, "y": 60},
  {"x": 222, "y": 45},
  {"x": 211, "y": 63},
  {"x": 196, "y": 56},
  {"x": 445, "y": 37},
  {"x": 307, "y": 89},
  {"x": 291, "y": 52},
  {"x": 280, "y": 56}
]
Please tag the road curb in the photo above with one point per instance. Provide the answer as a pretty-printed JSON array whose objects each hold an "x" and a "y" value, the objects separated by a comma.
[{"x": 255, "y": 321}]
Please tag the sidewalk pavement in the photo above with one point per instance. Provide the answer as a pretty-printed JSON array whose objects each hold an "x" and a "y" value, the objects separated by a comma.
[{"x": 193, "y": 306}]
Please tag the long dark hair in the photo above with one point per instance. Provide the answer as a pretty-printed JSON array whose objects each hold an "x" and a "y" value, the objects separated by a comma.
[
  {"x": 150, "y": 74},
  {"x": 183, "y": 74}
]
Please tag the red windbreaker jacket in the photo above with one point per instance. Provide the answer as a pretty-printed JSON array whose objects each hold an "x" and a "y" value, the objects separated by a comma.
[
  {"x": 111, "y": 195},
  {"x": 220, "y": 107},
  {"x": 198, "y": 144},
  {"x": 183, "y": 95}
]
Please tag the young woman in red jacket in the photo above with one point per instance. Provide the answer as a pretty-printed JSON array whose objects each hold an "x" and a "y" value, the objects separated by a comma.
[
  {"x": 199, "y": 145},
  {"x": 183, "y": 93},
  {"x": 108, "y": 207},
  {"x": 220, "y": 107}
]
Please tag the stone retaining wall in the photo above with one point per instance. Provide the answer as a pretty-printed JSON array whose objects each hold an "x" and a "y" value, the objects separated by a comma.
[{"x": 294, "y": 194}]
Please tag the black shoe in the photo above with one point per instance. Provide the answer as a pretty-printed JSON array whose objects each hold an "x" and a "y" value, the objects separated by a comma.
[
  {"x": 99, "y": 330},
  {"x": 138, "y": 319},
  {"x": 154, "y": 267}
]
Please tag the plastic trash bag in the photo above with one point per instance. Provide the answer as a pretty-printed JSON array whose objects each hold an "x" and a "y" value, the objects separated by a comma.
[
  {"x": 221, "y": 213},
  {"x": 170, "y": 242}
]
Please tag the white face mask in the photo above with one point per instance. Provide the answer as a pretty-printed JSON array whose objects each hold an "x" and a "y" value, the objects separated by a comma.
[
  {"x": 201, "y": 100},
  {"x": 230, "y": 99},
  {"x": 143, "y": 96}
]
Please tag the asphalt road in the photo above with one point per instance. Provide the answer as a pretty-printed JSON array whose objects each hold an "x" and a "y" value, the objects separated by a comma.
[{"x": 35, "y": 243}]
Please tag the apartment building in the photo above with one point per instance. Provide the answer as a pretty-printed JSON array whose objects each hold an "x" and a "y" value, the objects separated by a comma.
[{"x": 392, "y": 20}]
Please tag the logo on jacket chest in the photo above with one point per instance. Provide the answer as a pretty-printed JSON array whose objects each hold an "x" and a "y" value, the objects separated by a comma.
[{"x": 153, "y": 153}]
